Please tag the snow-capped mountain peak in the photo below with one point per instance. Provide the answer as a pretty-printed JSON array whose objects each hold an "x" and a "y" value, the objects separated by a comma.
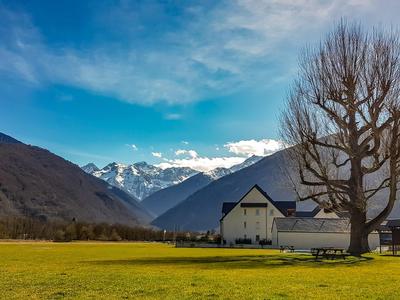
[
  {"x": 90, "y": 168},
  {"x": 140, "y": 179}
]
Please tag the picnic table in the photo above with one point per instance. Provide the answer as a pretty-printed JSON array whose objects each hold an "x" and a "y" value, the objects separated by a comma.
[{"x": 329, "y": 252}]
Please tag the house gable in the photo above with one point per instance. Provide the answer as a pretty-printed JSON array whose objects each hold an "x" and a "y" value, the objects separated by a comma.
[{"x": 256, "y": 197}]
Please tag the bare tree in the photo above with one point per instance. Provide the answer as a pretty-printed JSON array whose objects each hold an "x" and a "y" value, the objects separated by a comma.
[{"x": 343, "y": 116}]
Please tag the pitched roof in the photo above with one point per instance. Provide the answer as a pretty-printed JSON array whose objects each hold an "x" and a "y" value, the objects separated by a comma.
[
  {"x": 227, "y": 207},
  {"x": 312, "y": 225},
  {"x": 282, "y": 206},
  {"x": 308, "y": 214}
]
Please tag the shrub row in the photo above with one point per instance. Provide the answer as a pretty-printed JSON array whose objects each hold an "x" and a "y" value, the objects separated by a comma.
[{"x": 34, "y": 229}]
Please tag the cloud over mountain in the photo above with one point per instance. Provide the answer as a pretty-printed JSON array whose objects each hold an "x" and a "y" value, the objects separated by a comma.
[
  {"x": 253, "y": 147},
  {"x": 242, "y": 149},
  {"x": 202, "y": 164}
]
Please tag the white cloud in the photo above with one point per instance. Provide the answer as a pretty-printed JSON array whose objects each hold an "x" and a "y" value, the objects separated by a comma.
[
  {"x": 242, "y": 150},
  {"x": 218, "y": 50},
  {"x": 156, "y": 154},
  {"x": 191, "y": 153},
  {"x": 185, "y": 142},
  {"x": 180, "y": 152},
  {"x": 248, "y": 148},
  {"x": 202, "y": 164}
]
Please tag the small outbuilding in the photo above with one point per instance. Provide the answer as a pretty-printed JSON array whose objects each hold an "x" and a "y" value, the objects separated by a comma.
[
  {"x": 307, "y": 233},
  {"x": 394, "y": 226}
]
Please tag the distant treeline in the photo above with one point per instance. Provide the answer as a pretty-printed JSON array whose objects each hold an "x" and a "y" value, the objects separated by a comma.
[{"x": 33, "y": 229}]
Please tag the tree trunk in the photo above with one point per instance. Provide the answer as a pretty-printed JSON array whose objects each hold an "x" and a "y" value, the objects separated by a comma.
[{"x": 358, "y": 234}]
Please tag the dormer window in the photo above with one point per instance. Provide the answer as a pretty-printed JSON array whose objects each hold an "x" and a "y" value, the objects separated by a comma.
[{"x": 291, "y": 212}]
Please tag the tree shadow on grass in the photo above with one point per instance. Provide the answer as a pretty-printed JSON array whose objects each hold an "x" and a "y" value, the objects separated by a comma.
[{"x": 238, "y": 262}]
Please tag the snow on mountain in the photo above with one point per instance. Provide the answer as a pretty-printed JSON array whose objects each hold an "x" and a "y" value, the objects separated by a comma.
[
  {"x": 248, "y": 162},
  {"x": 90, "y": 168},
  {"x": 217, "y": 173},
  {"x": 163, "y": 200},
  {"x": 141, "y": 179},
  {"x": 221, "y": 172}
]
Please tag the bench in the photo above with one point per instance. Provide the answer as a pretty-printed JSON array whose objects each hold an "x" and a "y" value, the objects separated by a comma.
[{"x": 329, "y": 253}]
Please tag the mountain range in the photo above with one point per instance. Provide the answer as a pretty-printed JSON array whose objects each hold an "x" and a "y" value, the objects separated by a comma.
[
  {"x": 142, "y": 180},
  {"x": 139, "y": 179},
  {"x": 39, "y": 184}
]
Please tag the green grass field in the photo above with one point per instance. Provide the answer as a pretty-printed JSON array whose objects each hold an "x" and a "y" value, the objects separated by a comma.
[{"x": 155, "y": 271}]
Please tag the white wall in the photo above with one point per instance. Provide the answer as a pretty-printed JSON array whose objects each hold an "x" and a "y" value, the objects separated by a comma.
[
  {"x": 308, "y": 240},
  {"x": 232, "y": 225}
]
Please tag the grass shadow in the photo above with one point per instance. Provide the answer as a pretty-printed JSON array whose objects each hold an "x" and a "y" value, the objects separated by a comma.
[{"x": 237, "y": 262}]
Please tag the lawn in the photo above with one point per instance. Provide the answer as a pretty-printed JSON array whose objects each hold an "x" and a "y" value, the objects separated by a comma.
[{"x": 156, "y": 271}]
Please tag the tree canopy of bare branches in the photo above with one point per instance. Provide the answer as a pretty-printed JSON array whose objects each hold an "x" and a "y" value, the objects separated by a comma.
[{"x": 343, "y": 116}]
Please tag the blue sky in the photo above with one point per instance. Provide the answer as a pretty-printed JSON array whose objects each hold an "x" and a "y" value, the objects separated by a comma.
[{"x": 90, "y": 79}]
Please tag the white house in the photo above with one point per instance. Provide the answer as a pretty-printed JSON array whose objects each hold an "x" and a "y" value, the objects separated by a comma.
[
  {"x": 256, "y": 217},
  {"x": 252, "y": 216}
]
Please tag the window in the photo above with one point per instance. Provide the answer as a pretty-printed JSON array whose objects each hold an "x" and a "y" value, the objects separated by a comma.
[
  {"x": 257, "y": 212},
  {"x": 244, "y": 211},
  {"x": 271, "y": 212},
  {"x": 257, "y": 225},
  {"x": 257, "y": 238},
  {"x": 244, "y": 224},
  {"x": 245, "y": 236}
]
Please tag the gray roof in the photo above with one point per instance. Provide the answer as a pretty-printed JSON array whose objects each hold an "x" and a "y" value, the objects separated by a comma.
[
  {"x": 312, "y": 224},
  {"x": 393, "y": 223},
  {"x": 308, "y": 214}
]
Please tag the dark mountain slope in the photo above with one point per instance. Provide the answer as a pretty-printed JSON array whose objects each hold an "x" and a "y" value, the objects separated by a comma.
[
  {"x": 163, "y": 200},
  {"x": 202, "y": 210},
  {"x": 159, "y": 202},
  {"x": 6, "y": 139},
  {"x": 39, "y": 184}
]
